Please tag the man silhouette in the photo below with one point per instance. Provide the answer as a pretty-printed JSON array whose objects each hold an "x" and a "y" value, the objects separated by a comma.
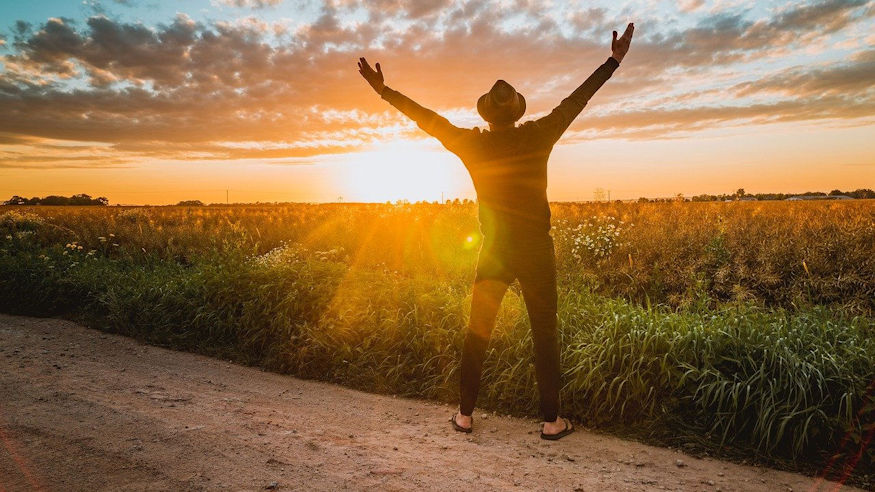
[{"x": 508, "y": 165}]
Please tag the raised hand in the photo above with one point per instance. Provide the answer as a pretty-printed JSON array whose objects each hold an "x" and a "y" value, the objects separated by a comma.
[
  {"x": 619, "y": 47},
  {"x": 375, "y": 78}
]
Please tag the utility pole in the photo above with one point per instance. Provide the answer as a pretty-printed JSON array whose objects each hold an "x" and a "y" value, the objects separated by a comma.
[
  {"x": 226, "y": 197},
  {"x": 609, "y": 195},
  {"x": 442, "y": 198}
]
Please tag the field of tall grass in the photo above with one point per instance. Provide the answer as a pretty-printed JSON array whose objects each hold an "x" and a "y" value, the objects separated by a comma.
[{"x": 731, "y": 327}]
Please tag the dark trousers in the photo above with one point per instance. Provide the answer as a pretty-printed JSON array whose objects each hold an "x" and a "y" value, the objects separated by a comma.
[{"x": 531, "y": 260}]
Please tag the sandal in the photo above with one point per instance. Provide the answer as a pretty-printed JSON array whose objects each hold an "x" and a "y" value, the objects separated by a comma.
[
  {"x": 559, "y": 435},
  {"x": 459, "y": 427}
]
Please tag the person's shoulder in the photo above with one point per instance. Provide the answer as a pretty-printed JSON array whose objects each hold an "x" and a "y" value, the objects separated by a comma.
[
  {"x": 534, "y": 131},
  {"x": 508, "y": 131},
  {"x": 528, "y": 127},
  {"x": 474, "y": 133},
  {"x": 463, "y": 139}
]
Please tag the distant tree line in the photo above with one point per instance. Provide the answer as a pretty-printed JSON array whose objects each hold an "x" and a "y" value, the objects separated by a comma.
[
  {"x": 80, "y": 199},
  {"x": 740, "y": 194}
]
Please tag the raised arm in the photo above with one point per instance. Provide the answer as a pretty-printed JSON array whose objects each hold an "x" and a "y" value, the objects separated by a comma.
[
  {"x": 555, "y": 123},
  {"x": 429, "y": 121}
]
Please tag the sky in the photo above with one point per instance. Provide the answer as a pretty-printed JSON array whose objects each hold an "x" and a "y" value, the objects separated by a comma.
[{"x": 153, "y": 102}]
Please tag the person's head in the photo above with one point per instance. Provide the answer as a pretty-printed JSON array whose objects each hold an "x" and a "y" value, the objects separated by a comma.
[{"x": 502, "y": 106}]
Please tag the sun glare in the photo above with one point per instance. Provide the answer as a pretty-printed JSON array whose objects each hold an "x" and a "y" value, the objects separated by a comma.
[{"x": 400, "y": 170}]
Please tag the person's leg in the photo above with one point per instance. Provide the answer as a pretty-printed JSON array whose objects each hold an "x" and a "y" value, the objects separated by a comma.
[
  {"x": 486, "y": 300},
  {"x": 536, "y": 271}
]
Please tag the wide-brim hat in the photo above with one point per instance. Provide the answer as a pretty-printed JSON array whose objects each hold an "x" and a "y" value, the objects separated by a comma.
[{"x": 502, "y": 104}]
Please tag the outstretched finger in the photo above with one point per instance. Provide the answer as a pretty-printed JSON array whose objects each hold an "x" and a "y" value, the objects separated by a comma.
[
  {"x": 629, "y": 30},
  {"x": 379, "y": 70}
]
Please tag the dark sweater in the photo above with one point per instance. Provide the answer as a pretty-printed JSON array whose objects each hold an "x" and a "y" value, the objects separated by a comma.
[{"x": 508, "y": 167}]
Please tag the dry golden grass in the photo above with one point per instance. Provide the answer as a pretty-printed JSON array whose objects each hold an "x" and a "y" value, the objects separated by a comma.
[{"x": 782, "y": 254}]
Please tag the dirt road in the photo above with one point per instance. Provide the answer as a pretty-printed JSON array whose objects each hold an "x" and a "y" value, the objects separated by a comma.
[{"x": 83, "y": 410}]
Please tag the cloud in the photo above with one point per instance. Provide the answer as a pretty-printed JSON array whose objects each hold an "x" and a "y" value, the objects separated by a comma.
[
  {"x": 253, "y": 4},
  {"x": 730, "y": 36},
  {"x": 378, "y": 9},
  {"x": 690, "y": 5},
  {"x": 825, "y": 16},
  {"x": 190, "y": 89},
  {"x": 8, "y": 139},
  {"x": 852, "y": 78},
  {"x": 648, "y": 123}
]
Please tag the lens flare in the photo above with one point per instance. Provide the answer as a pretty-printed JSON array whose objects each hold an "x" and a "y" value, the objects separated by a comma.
[{"x": 471, "y": 241}]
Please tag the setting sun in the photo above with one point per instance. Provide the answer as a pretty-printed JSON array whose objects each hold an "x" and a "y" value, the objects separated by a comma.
[{"x": 401, "y": 170}]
